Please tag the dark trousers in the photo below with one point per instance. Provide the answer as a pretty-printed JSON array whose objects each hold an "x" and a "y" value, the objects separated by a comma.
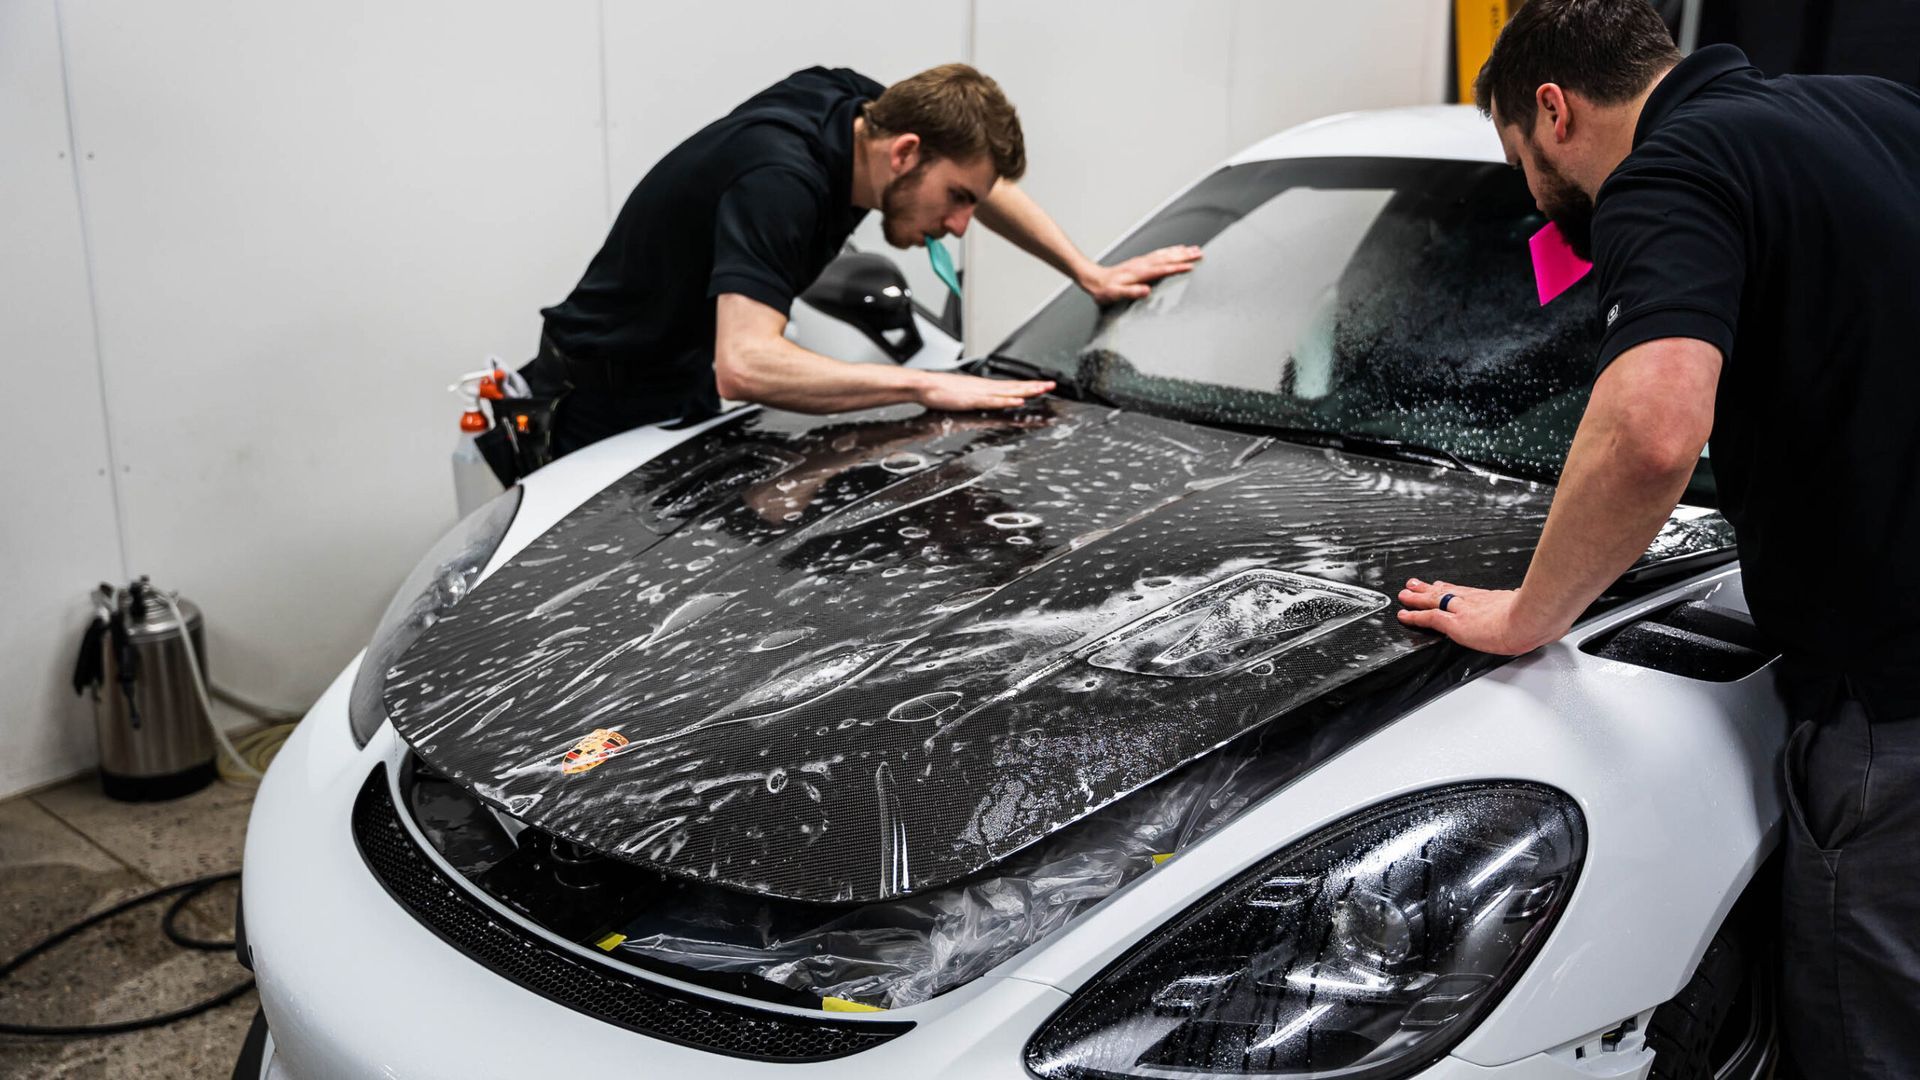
[
  {"x": 595, "y": 400},
  {"x": 1850, "y": 911}
]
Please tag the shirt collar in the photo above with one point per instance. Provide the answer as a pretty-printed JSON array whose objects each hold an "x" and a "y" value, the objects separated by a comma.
[{"x": 1687, "y": 78}]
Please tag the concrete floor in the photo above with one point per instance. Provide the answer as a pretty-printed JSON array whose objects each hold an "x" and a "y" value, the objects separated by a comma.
[{"x": 68, "y": 851}]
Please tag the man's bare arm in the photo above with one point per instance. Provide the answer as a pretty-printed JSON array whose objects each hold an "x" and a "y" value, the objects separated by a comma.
[
  {"x": 753, "y": 362},
  {"x": 1010, "y": 212},
  {"x": 1649, "y": 416}
]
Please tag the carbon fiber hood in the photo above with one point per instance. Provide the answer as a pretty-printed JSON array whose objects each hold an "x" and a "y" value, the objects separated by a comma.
[{"x": 847, "y": 658}]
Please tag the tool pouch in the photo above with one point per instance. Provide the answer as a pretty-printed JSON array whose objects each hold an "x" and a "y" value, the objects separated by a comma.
[{"x": 521, "y": 438}]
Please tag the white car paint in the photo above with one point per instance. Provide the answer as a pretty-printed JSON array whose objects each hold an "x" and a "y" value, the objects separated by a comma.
[{"x": 1674, "y": 777}]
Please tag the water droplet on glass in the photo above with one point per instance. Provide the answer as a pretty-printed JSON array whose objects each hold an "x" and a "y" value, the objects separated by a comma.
[{"x": 776, "y": 780}]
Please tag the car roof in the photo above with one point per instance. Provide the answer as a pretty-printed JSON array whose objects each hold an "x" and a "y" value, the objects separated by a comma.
[{"x": 1450, "y": 132}]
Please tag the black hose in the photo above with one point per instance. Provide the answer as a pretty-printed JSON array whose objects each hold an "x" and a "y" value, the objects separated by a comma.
[{"x": 187, "y": 891}]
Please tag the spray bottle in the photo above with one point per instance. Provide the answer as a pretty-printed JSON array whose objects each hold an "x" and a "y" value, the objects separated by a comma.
[{"x": 473, "y": 480}]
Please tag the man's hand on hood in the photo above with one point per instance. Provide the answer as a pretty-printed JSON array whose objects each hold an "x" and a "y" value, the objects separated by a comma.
[{"x": 1484, "y": 619}]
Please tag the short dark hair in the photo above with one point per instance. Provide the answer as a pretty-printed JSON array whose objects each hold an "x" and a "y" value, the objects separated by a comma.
[
  {"x": 1607, "y": 51},
  {"x": 958, "y": 113}
]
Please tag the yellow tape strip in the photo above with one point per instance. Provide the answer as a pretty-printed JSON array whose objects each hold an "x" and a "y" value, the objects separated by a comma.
[
  {"x": 1162, "y": 857},
  {"x": 1475, "y": 24},
  {"x": 834, "y": 1004},
  {"x": 606, "y": 944}
]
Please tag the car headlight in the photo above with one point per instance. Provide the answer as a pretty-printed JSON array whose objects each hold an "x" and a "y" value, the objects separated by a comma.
[
  {"x": 1367, "y": 950},
  {"x": 440, "y": 581}
]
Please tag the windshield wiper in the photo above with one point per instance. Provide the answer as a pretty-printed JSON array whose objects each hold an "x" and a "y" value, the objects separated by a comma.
[
  {"x": 1065, "y": 385},
  {"x": 1380, "y": 446}
]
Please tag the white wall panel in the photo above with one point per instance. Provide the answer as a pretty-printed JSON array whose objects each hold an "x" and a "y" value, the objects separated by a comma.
[
  {"x": 1296, "y": 62},
  {"x": 1125, "y": 102},
  {"x": 57, "y": 532},
  {"x": 306, "y": 220}
]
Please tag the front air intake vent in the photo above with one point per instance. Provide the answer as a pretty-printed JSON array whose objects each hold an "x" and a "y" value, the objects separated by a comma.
[
  {"x": 624, "y": 1000},
  {"x": 1695, "y": 640}
]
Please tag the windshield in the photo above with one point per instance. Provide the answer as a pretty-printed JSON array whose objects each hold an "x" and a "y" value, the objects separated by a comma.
[{"x": 1374, "y": 298}]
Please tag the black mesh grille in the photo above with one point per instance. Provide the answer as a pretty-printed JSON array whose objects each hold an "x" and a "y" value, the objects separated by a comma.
[{"x": 627, "y": 1001}]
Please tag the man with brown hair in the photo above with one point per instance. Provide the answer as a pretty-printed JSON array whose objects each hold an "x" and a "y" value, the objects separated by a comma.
[
  {"x": 1753, "y": 240},
  {"x": 687, "y": 301}
]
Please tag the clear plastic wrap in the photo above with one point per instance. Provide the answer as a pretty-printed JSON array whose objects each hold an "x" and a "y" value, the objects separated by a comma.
[{"x": 900, "y": 952}]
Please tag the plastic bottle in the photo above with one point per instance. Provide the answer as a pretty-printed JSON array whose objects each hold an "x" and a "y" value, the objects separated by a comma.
[{"x": 473, "y": 480}]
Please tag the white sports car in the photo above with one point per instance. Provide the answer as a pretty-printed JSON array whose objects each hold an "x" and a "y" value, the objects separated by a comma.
[{"x": 1077, "y": 741}]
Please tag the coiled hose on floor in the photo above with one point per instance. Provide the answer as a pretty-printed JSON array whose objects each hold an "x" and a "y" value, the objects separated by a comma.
[
  {"x": 243, "y": 760},
  {"x": 184, "y": 894}
]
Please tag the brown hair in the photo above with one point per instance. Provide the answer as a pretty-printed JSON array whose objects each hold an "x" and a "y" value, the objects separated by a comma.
[
  {"x": 1604, "y": 50},
  {"x": 958, "y": 113}
]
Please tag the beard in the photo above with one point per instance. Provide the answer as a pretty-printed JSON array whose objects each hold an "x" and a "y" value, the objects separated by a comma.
[
  {"x": 1567, "y": 207},
  {"x": 897, "y": 205}
]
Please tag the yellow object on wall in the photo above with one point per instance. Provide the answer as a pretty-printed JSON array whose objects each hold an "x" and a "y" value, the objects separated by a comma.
[{"x": 1475, "y": 24}]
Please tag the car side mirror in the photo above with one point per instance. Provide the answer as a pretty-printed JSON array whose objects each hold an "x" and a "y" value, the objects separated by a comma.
[{"x": 867, "y": 291}]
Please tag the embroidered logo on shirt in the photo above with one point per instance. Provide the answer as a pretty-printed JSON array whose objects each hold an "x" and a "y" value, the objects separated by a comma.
[{"x": 1612, "y": 314}]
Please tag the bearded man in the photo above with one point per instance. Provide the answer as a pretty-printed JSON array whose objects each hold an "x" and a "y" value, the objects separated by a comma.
[
  {"x": 687, "y": 301},
  {"x": 1753, "y": 240}
]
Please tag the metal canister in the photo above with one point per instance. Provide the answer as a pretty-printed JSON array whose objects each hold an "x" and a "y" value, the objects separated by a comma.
[{"x": 155, "y": 742}]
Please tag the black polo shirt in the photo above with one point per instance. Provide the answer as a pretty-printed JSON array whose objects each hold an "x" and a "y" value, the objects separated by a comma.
[
  {"x": 1778, "y": 219},
  {"x": 757, "y": 203}
]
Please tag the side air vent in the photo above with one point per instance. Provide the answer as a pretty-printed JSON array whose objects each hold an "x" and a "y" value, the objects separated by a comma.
[{"x": 1695, "y": 640}]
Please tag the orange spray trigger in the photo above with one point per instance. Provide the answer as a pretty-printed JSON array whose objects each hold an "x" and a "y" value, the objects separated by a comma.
[{"x": 490, "y": 388}]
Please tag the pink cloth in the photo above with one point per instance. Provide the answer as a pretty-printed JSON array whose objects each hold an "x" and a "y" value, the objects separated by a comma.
[{"x": 1555, "y": 267}]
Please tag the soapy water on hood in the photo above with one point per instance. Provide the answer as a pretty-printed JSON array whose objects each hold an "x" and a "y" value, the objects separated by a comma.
[
  {"x": 900, "y": 952},
  {"x": 863, "y": 599}
]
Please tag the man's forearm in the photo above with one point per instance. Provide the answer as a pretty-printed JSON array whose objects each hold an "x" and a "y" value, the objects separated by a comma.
[
  {"x": 753, "y": 361},
  {"x": 1011, "y": 213},
  {"x": 775, "y": 371},
  {"x": 1630, "y": 461},
  {"x": 1610, "y": 505}
]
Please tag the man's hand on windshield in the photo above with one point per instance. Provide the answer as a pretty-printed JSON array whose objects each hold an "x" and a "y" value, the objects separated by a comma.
[
  {"x": 1134, "y": 278},
  {"x": 959, "y": 393},
  {"x": 1488, "y": 620}
]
